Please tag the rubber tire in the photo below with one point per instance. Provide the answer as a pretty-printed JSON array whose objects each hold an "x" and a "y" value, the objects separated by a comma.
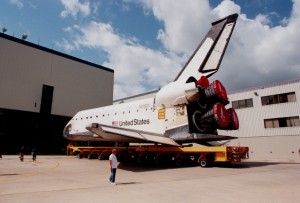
[
  {"x": 157, "y": 161},
  {"x": 203, "y": 163},
  {"x": 178, "y": 162}
]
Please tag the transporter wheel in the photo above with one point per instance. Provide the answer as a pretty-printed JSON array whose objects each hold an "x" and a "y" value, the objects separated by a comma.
[
  {"x": 203, "y": 163},
  {"x": 139, "y": 160},
  {"x": 178, "y": 162},
  {"x": 157, "y": 161}
]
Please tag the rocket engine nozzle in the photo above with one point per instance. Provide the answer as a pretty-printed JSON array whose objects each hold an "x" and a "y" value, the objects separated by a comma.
[
  {"x": 217, "y": 117},
  {"x": 203, "y": 82},
  {"x": 233, "y": 120},
  {"x": 216, "y": 91}
]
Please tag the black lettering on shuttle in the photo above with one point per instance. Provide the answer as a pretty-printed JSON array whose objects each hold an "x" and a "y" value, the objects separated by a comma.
[{"x": 135, "y": 122}]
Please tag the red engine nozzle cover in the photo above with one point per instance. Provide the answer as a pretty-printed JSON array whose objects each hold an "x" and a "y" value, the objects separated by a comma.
[
  {"x": 221, "y": 115},
  {"x": 233, "y": 119},
  {"x": 219, "y": 90},
  {"x": 203, "y": 81}
]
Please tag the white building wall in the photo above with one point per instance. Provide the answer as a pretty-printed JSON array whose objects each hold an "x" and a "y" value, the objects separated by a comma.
[
  {"x": 284, "y": 148},
  {"x": 268, "y": 144},
  {"x": 252, "y": 118}
]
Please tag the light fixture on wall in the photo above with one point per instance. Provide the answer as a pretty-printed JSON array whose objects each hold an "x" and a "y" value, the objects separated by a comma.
[
  {"x": 4, "y": 29},
  {"x": 24, "y": 36},
  {"x": 255, "y": 93}
]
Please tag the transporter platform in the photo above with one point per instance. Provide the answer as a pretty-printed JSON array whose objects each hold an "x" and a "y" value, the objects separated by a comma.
[{"x": 158, "y": 154}]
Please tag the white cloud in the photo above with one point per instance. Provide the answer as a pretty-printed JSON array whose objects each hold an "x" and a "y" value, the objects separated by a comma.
[
  {"x": 183, "y": 22},
  {"x": 73, "y": 7},
  {"x": 137, "y": 68},
  {"x": 257, "y": 54},
  {"x": 17, "y": 3},
  {"x": 225, "y": 8}
]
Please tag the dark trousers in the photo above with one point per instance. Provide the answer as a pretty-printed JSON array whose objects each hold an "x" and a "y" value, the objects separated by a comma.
[{"x": 112, "y": 177}]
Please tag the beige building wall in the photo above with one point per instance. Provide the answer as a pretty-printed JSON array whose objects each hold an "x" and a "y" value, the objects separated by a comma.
[
  {"x": 26, "y": 67},
  {"x": 284, "y": 148}
]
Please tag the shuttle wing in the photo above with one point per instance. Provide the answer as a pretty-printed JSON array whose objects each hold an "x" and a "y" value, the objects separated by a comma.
[
  {"x": 207, "y": 57},
  {"x": 105, "y": 132}
]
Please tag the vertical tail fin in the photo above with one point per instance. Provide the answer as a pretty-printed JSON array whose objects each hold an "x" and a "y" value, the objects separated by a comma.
[{"x": 207, "y": 57}]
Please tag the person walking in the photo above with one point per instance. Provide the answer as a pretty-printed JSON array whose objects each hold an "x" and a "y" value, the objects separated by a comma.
[
  {"x": 22, "y": 152},
  {"x": 113, "y": 163},
  {"x": 33, "y": 153}
]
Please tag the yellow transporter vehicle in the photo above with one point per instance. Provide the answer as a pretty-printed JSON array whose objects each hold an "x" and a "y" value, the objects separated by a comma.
[{"x": 158, "y": 154}]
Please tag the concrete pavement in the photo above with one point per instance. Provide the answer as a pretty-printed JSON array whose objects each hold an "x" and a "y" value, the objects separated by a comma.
[{"x": 69, "y": 179}]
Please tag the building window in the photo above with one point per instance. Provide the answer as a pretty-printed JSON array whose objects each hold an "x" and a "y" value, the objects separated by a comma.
[
  {"x": 282, "y": 122},
  {"x": 240, "y": 104},
  {"x": 278, "y": 98}
]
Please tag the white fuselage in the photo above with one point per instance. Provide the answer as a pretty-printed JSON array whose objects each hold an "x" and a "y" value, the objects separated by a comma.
[{"x": 139, "y": 115}]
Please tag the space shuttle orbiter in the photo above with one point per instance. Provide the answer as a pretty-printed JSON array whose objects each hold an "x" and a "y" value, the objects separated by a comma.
[{"x": 189, "y": 109}]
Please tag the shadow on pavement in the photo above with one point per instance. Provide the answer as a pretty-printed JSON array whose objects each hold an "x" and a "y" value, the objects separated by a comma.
[
  {"x": 136, "y": 167},
  {"x": 127, "y": 183}
]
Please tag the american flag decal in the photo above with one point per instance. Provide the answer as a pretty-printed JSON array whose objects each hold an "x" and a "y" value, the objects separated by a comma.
[{"x": 115, "y": 123}]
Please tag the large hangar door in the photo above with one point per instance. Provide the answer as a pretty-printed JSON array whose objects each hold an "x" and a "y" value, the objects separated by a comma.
[{"x": 46, "y": 101}]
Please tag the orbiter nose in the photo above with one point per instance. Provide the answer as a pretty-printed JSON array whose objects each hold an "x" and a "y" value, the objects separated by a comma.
[{"x": 66, "y": 132}]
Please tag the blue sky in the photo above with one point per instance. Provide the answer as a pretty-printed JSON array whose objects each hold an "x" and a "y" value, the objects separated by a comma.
[{"x": 147, "y": 42}]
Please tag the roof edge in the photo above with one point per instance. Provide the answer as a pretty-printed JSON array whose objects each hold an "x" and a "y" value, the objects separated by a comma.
[
  {"x": 36, "y": 46},
  {"x": 265, "y": 86}
]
